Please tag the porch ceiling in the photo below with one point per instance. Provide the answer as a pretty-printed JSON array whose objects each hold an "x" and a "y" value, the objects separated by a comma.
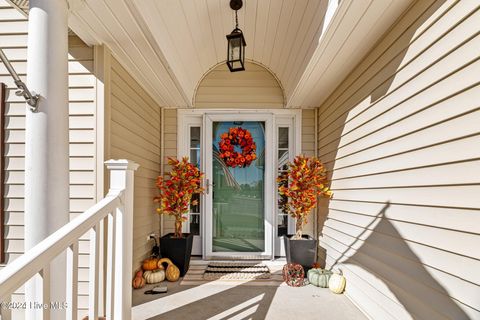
[
  {"x": 169, "y": 45},
  {"x": 281, "y": 35}
]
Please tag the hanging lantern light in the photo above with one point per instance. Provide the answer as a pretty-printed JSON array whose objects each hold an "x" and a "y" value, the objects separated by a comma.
[{"x": 236, "y": 43}]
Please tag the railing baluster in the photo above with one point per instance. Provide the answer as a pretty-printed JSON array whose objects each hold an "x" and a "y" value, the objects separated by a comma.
[
  {"x": 5, "y": 311},
  {"x": 45, "y": 274},
  {"x": 101, "y": 267},
  {"x": 39, "y": 285},
  {"x": 72, "y": 281},
  {"x": 110, "y": 266},
  {"x": 93, "y": 273},
  {"x": 119, "y": 311}
]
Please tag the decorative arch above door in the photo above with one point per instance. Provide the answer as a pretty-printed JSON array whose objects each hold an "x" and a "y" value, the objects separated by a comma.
[{"x": 255, "y": 88}]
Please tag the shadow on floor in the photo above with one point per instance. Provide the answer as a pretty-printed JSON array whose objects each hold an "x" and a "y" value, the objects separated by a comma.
[
  {"x": 221, "y": 302},
  {"x": 206, "y": 301},
  {"x": 240, "y": 302}
]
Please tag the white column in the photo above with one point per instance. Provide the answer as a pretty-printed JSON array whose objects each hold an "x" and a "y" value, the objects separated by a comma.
[
  {"x": 122, "y": 177},
  {"x": 46, "y": 146}
]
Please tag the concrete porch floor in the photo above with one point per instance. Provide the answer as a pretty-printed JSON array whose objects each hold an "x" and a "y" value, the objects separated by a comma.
[{"x": 209, "y": 301}]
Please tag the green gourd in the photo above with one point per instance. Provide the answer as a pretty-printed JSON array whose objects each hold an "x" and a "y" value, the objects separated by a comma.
[{"x": 319, "y": 277}]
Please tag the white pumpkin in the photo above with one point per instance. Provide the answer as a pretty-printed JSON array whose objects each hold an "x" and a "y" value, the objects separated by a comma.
[
  {"x": 337, "y": 283},
  {"x": 154, "y": 276}
]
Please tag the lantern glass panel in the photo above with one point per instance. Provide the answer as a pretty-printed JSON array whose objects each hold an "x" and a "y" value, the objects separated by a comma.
[
  {"x": 236, "y": 65},
  {"x": 235, "y": 49}
]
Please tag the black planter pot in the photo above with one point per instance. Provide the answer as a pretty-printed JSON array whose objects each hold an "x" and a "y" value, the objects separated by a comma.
[
  {"x": 302, "y": 251},
  {"x": 178, "y": 250}
]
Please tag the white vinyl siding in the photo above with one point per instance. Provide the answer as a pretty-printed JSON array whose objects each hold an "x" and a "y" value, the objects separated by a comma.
[
  {"x": 13, "y": 40},
  {"x": 400, "y": 137},
  {"x": 134, "y": 131}
]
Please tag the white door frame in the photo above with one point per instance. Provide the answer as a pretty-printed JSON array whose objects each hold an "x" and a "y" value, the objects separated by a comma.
[
  {"x": 187, "y": 118},
  {"x": 184, "y": 123},
  {"x": 269, "y": 218}
]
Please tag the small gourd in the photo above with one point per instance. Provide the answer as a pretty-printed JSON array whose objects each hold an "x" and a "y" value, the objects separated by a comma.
[
  {"x": 337, "y": 282},
  {"x": 172, "y": 273},
  {"x": 150, "y": 264},
  {"x": 154, "y": 276},
  {"x": 319, "y": 277},
  {"x": 162, "y": 261},
  {"x": 138, "y": 281}
]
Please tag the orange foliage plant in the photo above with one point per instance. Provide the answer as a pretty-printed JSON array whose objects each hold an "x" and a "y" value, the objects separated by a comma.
[
  {"x": 175, "y": 193},
  {"x": 301, "y": 184}
]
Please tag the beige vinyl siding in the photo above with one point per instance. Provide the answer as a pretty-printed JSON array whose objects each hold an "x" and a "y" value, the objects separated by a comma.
[
  {"x": 401, "y": 138},
  {"x": 13, "y": 40},
  {"x": 253, "y": 88},
  {"x": 82, "y": 108},
  {"x": 14, "y": 132},
  {"x": 308, "y": 149},
  {"x": 308, "y": 132},
  {"x": 134, "y": 131},
  {"x": 170, "y": 150}
]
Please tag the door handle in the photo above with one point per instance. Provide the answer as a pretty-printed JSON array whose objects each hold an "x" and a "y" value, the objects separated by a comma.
[{"x": 208, "y": 184}]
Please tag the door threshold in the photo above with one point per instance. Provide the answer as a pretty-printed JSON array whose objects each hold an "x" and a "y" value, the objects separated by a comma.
[{"x": 200, "y": 261}]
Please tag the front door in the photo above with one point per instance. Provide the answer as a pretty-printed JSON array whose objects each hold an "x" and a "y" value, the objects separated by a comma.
[{"x": 238, "y": 206}]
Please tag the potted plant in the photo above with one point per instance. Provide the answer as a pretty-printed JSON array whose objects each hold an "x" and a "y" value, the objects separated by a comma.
[
  {"x": 175, "y": 198},
  {"x": 299, "y": 188}
]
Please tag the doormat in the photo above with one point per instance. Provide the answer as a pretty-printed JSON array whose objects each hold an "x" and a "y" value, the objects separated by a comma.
[
  {"x": 195, "y": 274},
  {"x": 236, "y": 271}
]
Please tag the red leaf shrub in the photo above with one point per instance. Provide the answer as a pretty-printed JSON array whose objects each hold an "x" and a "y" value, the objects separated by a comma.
[
  {"x": 301, "y": 184},
  {"x": 175, "y": 193}
]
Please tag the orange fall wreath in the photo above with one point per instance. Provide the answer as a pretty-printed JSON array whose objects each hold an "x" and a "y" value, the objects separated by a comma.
[{"x": 237, "y": 137}]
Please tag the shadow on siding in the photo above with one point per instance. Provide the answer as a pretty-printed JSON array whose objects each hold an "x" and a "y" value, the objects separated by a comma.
[
  {"x": 375, "y": 88},
  {"x": 387, "y": 256},
  {"x": 383, "y": 252}
]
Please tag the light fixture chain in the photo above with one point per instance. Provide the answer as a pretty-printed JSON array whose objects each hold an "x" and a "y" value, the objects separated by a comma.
[
  {"x": 236, "y": 42},
  {"x": 236, "y": 19}
]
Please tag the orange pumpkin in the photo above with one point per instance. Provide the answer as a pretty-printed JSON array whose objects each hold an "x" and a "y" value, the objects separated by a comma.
[
  {"x": 150, "y": 264},
  {"x": 138, "y": 281}
]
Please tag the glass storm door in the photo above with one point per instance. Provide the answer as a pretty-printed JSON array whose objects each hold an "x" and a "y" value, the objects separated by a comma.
[{"x": 238, "y": 196}]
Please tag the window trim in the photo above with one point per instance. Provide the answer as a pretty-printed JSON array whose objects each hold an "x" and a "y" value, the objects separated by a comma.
[
  {"x": 183, "y": 149},
  {"x": 293, "y": 145},
  {"x": 186, "y": 226}
]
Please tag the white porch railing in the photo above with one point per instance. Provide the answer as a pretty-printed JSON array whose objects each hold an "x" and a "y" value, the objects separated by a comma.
[{"x": 115, "y": 214}]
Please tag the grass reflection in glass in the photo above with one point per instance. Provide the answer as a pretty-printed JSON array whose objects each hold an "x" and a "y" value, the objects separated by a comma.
[{"x": 238, "y": 197}]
